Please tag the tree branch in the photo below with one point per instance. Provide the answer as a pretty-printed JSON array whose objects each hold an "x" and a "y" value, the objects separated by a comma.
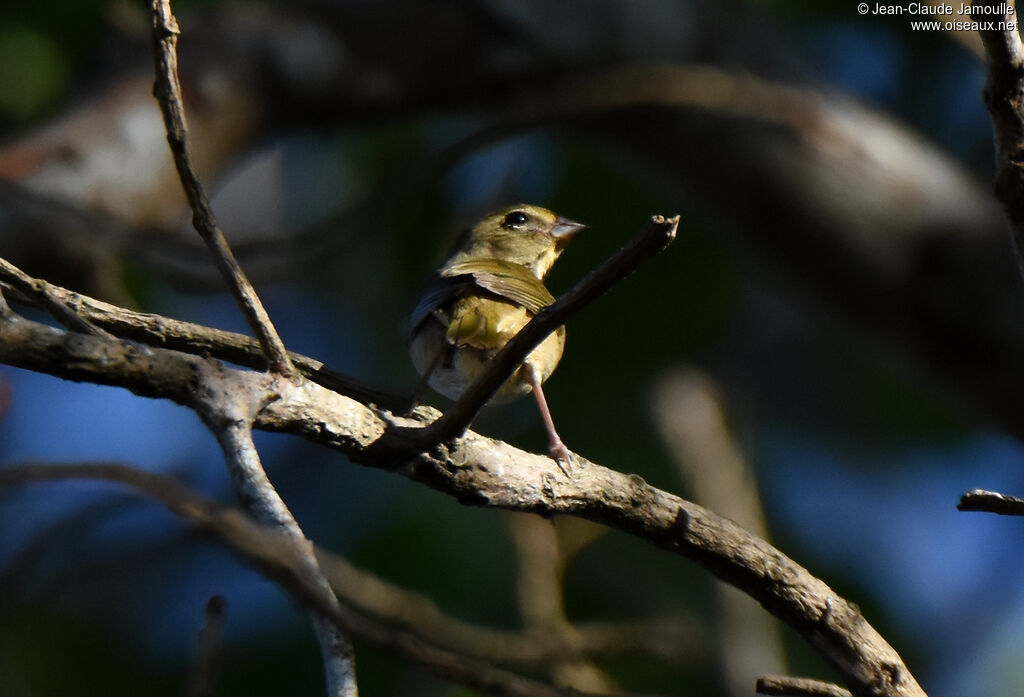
[
  {"x": 168, "y": 94},
  {"x": 48, "y": 298},
  {"x": 1004, "y": 97},
  {"x": 991, "y": 502},
  {"x": 278, "y": 556},
  {"x": 483, "y": 472},
  {"x": 228, "y": 406},
  {"x": 196, "y": 339},
  {"x": 682, "y": 640}
]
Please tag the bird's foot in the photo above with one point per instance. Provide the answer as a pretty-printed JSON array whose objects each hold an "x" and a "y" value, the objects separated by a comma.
[{"x": 562, "y": 457}]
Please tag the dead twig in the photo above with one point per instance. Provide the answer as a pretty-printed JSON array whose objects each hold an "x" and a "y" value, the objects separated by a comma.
[{"x": 168, "y": 93}]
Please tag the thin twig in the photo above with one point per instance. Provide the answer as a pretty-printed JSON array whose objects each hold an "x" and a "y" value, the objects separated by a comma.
[
  {"x": 168, "y": 93},
  {"x": 799, "y": 687},
  {"x": 991, "y": 502},
  {"x": 655, "y": 236},
  {"x": 276, "y": 555}
]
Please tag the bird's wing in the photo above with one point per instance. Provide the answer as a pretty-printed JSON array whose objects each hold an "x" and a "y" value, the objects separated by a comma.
[
  {"x": 513, "y": 282},
  {"x": 439, "y": 292}
]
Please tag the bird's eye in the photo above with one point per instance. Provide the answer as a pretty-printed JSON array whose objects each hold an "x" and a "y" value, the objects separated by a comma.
[{"x": 515, "y": 219}]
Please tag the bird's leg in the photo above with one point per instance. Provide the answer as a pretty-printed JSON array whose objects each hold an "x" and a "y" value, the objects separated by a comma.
[{"x": 556, "y": 448}]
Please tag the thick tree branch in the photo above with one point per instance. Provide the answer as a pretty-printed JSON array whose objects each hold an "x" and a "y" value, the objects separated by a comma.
[
  {"x": 480, "y": 471},
  {"x": 168, "y": 94}
]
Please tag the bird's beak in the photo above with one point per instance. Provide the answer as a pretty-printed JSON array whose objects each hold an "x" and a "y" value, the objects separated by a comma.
[{"x": 564, "y": 230}]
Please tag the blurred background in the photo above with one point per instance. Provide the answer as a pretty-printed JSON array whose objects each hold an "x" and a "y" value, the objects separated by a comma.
[{"x": 829, "y": 353}]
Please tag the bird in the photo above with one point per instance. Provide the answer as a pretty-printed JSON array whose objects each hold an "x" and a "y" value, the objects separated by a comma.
[{"x": 486, "y": 291}]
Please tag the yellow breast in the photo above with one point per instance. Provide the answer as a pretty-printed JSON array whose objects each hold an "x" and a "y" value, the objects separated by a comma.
[{"x": 477, "y": 329}]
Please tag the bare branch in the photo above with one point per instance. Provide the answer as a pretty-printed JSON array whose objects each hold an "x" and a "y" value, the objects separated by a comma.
[
  {"x": 484, "y": 472},
  {"x": 277, "y": 555},
  {"x": 196, "y": 339},
  {"x": 798, "y": 687},
  {"x": 1004, "y": 91},
  {"x": 991, "y": 502},
  {"x": 655, "y": 236},
  {"x": 168, "y": 94},
  {"x": 228, "y": 407},
  {"x": 680, "y": 639}
]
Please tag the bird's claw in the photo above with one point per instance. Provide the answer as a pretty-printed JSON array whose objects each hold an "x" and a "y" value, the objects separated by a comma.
[{"x": 562, "y": 457}]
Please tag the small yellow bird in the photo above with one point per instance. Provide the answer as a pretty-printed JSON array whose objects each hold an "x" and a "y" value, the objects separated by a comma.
[{"x": 482, "y": 296}]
